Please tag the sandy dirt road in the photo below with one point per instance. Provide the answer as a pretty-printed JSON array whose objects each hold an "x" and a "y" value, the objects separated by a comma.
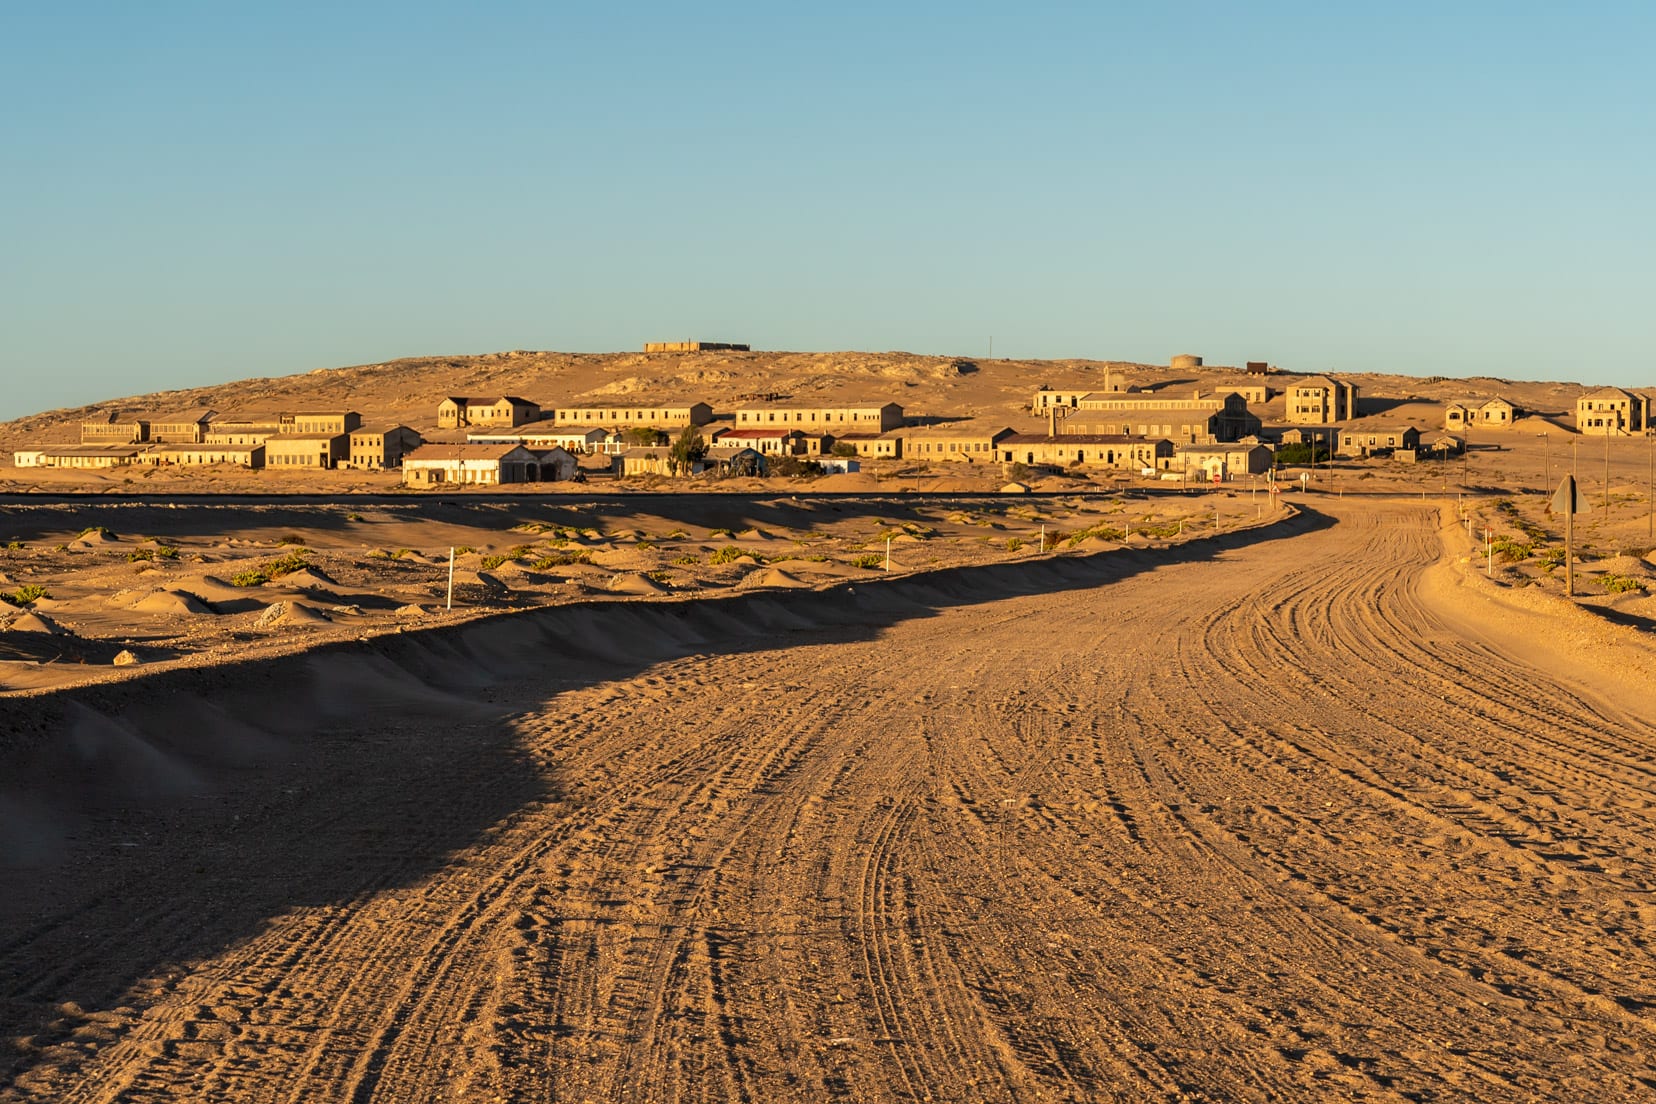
[{"x": 1254, "y": 822}]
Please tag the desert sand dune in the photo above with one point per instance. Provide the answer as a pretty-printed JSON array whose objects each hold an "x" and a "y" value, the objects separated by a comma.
[{"x": 1292, "y": 814}]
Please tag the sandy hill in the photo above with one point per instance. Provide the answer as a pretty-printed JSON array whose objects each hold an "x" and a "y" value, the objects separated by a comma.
[{"x": 945, "y": 388}]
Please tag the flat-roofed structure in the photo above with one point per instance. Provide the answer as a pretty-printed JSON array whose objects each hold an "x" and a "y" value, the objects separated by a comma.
[
  {"x": 543, "y": 434},
  {"x": 1320, "y": 400},
  {"x": 953, "y": 444},
  {"x": 643, "y": 460},
  {"x": 112, "y": 429},
  {"x": 868, "y": 417},
  {"x": 377, "y": 448},
  {"x": 694, "y": 347},
  {"x": 872, "y": 446},
  {"x": 1377, "y": 440},
  {"x": 320, "y": 421},
  {"x": 201, "y": 455},
  {"x": 1092, "y": 450},
  {"x": 78, "y": 456},
  {"x": 658, "y": 415},
  {"x": 1200, "y": 418},
  {"x": 771, "y": 442},
  {"x": 187, "y": 427},
  {"x": 242, "y": 431},
  {"x": 306, "y": 450}
]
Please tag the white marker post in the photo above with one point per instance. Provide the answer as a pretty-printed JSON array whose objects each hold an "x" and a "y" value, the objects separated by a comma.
[
  {"x": 1489, "y": 551},
  {"x": 888, "y": 553},
  {"x": 1043, "y": 538},
  {"x": 451, "y": 578}
]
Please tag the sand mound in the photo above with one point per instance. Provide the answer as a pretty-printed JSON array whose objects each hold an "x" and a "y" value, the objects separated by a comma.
[
  {"x": 416, "y": 558},
  {"x": 846, "y": 481},
  {"x": 1631, "y": 566},
  {"x": 772, "y": 577},
  {"x": 1015, "y": 488},
  {"x": 94, "y": 539},
  {"x": 516, "y": 569},
  {"x": 633, "y": 582},
  {"x": 35, "y": 622},
  {"x": 172, "y": 601},
  {"x": 307, "y": 578},
  {"x": 477, "y": 579},
  {"x": 754, "y": 534},
  {"x": 290, "y": 613},
  {"x": 412, "y": 611}
]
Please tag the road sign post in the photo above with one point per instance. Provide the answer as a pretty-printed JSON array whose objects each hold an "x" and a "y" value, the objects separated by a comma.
[{"x": 1568, "y": 501}]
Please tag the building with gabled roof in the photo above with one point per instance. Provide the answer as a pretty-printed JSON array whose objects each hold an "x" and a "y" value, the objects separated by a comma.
[
  {"x": 457, "y": 412},
  {"x": 1612, "y": 412},
  {"x": 1496, "y": 413},
  {"x": 470, "y": 465}
]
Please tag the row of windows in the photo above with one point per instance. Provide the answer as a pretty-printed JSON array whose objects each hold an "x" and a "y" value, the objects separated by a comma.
[
  {"x": 789, "y": 416},
  {"x": 953, "y": 446}
]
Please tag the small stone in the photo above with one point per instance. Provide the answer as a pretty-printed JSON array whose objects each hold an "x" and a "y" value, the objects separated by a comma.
[{"x": 125, "y": 658}]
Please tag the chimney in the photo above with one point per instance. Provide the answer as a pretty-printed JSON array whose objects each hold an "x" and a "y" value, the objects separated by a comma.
[{"x": 1052, "y": 421}]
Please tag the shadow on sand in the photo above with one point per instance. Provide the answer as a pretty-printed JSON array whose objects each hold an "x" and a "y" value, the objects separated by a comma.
[{"x": 150, "y": 824}]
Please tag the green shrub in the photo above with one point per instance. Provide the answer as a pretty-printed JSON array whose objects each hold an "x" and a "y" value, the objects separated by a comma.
[
  {"x": 511, "y": 554},
  {"x": 159, "y": 552},
  {"x": 271, "y": 569},
  {"x": 676, "y": 534},
  {"x": 644, "y": 543},
  {"x": 464, "y": 550},
  {"x": 561, "y": 559},
  {"x": 1301, "y": 454},
  {"x": 686, "y": 560},
  {"x": 26, "y": 595},
  {"x": 353, "y": 517},
  {"x": 1620, "y": 584},
  {"x": 1104, "y": 532},
  {"x": 14, "y": 546},
  {"x": 291, "y": 539},
  {"x": 659, "y": 575},
  {"x": 711, "y": 533},
  {"x": 843, "y": 448},
  {"x": 1551, "y": 558},
  {"x": 378, "y": 554},
  {"x": 871, "y": 560},
  {"x": 728, "y": 554},
  {"x": 1512, "y": 551},
  {"x": 1014, "y": 544}
]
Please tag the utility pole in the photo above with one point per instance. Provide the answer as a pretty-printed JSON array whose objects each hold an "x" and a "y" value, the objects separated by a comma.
[
  {"x": 1546, "y": 464},
  {"x": 1650, "y": 494},
  {"x": 1607, "y": 473}
]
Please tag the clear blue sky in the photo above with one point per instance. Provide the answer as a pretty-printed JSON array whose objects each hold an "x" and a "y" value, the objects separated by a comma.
[{"x": 196, "y": 192}]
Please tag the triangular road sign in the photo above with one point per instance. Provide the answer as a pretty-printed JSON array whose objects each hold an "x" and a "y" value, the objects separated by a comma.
[{"x": 1568, "y": 499}]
